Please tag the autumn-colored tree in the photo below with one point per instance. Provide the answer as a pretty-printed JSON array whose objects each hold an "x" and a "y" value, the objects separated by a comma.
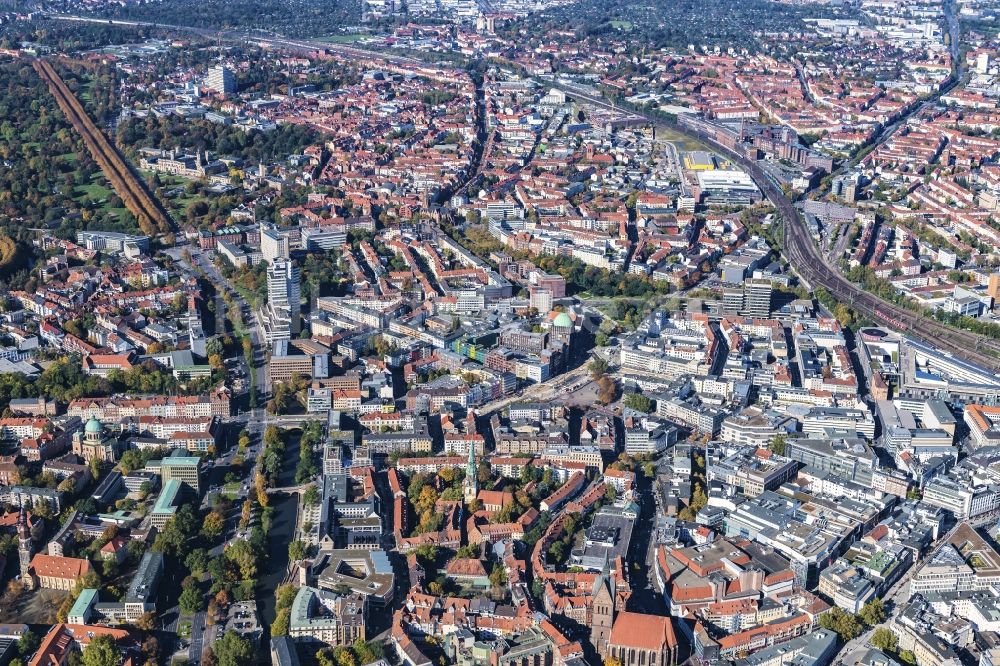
[
  {"x": 285, "y": 595},
  {"x": 884, "y": 639},
  {"x": 245, "y": 514},
  {"x": 242, "y": 554},
  {"x": 260, "y": 484},
  {"x": 146, "y": 622},
  {"x": 597, "y": 367},
  {"x": 211, "y": 613},
  {"x": 844, "y": 314},
  {"x": 213, "y": 525},
  {"x": 845, "y": 625},
  {"x": 698, "y": 498},
  {"x": 151, "y": 650},
  {"x": 506, "y": 513},
  {"x": 498, "y": 577},
  {"x": 344, "y": 657},
  {"x": 873, "y": 612},
  {"x": 281, "y": 620},
  {"x": 607, "y": 389},
  {"x": 430, "y": 521},
  {"x": 101, "y": 651},
  {"x": 222, "y": 598},
  {"x": 190, "y": 600},
  {"x": 426, "y": 500}
]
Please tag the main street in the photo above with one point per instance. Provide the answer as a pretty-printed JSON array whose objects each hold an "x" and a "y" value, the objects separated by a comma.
[
  {"x": 893, "y": 597},
  {"x": 200, "y": 266}
]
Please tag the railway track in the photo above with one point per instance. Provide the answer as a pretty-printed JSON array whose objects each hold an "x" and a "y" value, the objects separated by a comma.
[
  {"x": 807, "y": 261},
  {"x": 813, "y": 268},
  {"x": 149, "y": 214}
]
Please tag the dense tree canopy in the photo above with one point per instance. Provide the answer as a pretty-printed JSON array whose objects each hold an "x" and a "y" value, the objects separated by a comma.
[
  {"x": 233, "y": 650},
  {"x": 102, "y": 651},
  {"x": 47, "y": 176},
  {"x": 670, "y": 23},
  {"x": 172, "y": 131}
]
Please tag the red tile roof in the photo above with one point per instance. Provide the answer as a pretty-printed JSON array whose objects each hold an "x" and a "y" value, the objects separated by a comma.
[
  {"x": 466, "y": 566},
  {"x": 59, "y": 567},
  {"x": 647, "y": 632}
]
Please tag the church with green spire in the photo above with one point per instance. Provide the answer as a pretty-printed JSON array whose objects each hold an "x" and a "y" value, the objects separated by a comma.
[{"x": 471, "y": 483}]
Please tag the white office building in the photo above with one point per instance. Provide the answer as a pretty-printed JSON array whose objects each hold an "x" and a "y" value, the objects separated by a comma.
[
  {"x": 283, "y": 318},
  {"x": 273, "y": 245},
  {"x": 221, "y": 79}
]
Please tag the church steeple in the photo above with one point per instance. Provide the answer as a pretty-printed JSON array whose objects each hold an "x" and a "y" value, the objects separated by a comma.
[
  {"x": 22, "y": 525},
  {"x": 602, "y": 608},
  {"x": 25, "y": 549},
  {"x": 603, "y": 579},
  {"x": 471, "y": 483}
]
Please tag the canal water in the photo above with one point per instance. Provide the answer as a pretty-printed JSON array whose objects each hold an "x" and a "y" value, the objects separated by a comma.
[{"x": 282, "y": 530}]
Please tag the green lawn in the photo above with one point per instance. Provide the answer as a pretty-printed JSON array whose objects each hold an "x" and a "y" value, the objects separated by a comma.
[
  {"x": 167, "y": 180},
  {"x": 183, "y": 201},
  {"x": 98, "y": 191},
  {"x": 176, "y": 205}
]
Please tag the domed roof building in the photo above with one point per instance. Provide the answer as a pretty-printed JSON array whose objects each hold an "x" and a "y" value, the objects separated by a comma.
[
  {"x": 562, "y": 320},
  {"x": 561, "y": 328},
  {"x": 92, "y": 443}
]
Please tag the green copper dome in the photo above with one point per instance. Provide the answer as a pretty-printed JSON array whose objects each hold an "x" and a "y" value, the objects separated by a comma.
[
  {"x": 93, "y": 427},
  {"x": 562, "y": 320}
]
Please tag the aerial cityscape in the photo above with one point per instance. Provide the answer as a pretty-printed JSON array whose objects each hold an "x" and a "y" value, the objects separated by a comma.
[{"x": 500, "y": 332}]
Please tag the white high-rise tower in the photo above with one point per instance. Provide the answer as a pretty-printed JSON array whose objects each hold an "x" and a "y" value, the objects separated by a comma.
[{"x": 284, "y": 300}]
